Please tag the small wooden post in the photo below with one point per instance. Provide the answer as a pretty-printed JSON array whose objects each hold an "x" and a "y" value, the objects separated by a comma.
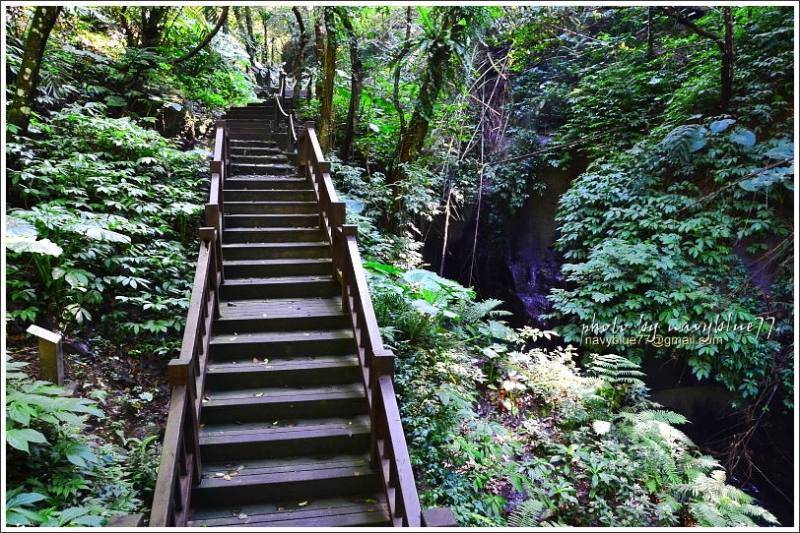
[{"x": 51, "y": 355}]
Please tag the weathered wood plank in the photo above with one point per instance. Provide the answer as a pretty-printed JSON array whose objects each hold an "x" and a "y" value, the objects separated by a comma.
[
  {"x": 283, "y": 429},
  {"x": 358, "y": 510}
]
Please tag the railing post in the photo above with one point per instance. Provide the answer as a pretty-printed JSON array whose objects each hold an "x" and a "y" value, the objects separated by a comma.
[
  {"x": 51, "y": 355},
  {"x": 210, "y": 236}
]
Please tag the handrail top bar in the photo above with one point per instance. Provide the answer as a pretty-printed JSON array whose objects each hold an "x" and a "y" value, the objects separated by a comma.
[{"x": 280, "y": 107}]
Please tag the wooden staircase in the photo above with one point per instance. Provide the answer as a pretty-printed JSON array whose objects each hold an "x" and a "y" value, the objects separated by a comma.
[
  {"x": 285, "y": 429},
  {"x": 283, "y": 410}
]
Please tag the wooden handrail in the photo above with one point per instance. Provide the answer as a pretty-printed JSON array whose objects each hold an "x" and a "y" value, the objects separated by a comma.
[
  {"x": 180, "y": 466},
  {"x": 291, "y": 137},
  {"x": 388, "y": 451}
]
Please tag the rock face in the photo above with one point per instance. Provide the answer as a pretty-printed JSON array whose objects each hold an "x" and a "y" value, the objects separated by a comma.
[
  {"x": 520, "y": 267},
  {"x": 534, "y": 265}
]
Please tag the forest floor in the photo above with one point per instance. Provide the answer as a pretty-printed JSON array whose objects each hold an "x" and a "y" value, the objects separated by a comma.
[{"x": 132, "y": 391}]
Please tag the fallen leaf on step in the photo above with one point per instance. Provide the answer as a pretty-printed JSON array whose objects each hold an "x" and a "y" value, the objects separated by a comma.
[
  {"x": 356, "y": 473},
  {"x": 219, "y": 474},
  {"x": 255, "y": 360},
  {"x": 227, "y": 477},
  {"x": 302, "y": 504},
  {"x": 258, "y": 394},
  {"x": 370, "y": 500},
  {"x": 241, "y": 516}
]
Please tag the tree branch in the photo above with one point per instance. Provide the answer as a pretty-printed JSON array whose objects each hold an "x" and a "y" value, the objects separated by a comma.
[{"x": 205, "y": 42}]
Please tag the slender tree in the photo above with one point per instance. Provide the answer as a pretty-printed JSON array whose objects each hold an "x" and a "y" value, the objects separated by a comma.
[
  {"x": 724, "y": 42},
  {"x": 447, "y": 32},
  {"x": 19, "y": 115},
  {"x": 328, "y": 79},
  {"x": 302, "y": 43},
  {"x": 356, "y": 84}
]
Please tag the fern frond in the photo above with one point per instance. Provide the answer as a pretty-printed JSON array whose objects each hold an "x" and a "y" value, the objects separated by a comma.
[
  {"x": 472, "y": 312},
  {"x": 723, "y": 505},
  {"x": 530, "y": 513}
]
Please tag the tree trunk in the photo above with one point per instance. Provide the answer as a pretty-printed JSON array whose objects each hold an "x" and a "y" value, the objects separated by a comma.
[
  {"x": 319, "y": 53},
  {"x": 728, "y": 57},
  {"x": 431, "y": 84},
  {"x": 724, "y": 43},
  {"x": 19, "y": 115},
  {"x": 151, "y": 26},
  {"x": 301, "y": 52},
  {"x": 244, "y": 21},
  {"x": 329, "y": 77},
  {"x": 356, "y": 81},
  {"x": 401, "y": 114}
]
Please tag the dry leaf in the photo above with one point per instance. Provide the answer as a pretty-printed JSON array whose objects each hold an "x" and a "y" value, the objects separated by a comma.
[
  {"x": 258, "y": 394},
  {"x": 241, "y": 516},
  {"x": 302, "y": 504},
  {"x": 227, "y": 477}
]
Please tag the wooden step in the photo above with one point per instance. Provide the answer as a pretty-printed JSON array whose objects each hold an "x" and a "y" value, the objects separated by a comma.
[
  {"x": 270, "y": 345},
  {"x": 245, "y": 147},
  {"x": 254, "y": 136},
  {"x": 267, "y": 195},
  {"x": 244, "y": 235},
  {"x": 360, "y": 510},
  {"x": 271, "y": 169},
  {"x": 291, "y": 371},
  {"x": 259, "y": 158},
  {"x": 284, "y": 438},
  {"x": 268, "y": 268},
  {"x": 292, "y": 479},
  {"x": 307, "y": 220},
  {"x": 281, "y": 314},
  {"x": 271, "y": 207},
  {"x": 275, "y": 250},
  {"x": 260, "y": 183},
  {"x": 279, "y": 287},
  {"x": 260, "y": 404}
]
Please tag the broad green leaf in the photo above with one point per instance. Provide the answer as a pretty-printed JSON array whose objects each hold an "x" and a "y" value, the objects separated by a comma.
[
  {"x": 20, "y": 438},
  {"x": 115, "y": 101},
  {"x": 17, "y": 227},
  {"x": 743, "y": 136},
  {"x": 26, "y": 244},
  {"x": 25, "y": 498},
  {"x": 721, "y": 125}
]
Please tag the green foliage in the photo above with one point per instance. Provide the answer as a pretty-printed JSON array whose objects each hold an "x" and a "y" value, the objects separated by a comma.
[
  {"x": 654, "y": 265},
  {"x": 59, "y": 475},
  {"x": 589, "y": 460},
  {"x": 119, "y": 201}
]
